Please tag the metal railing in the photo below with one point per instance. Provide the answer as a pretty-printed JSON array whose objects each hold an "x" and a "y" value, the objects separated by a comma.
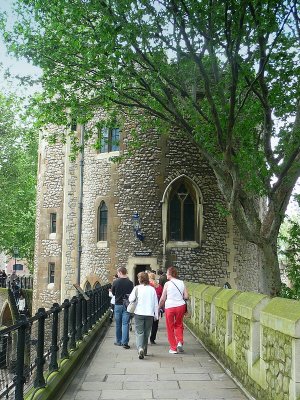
[
  {"x": 35, "y": 345},
  {"x": 23, "y": 282}
]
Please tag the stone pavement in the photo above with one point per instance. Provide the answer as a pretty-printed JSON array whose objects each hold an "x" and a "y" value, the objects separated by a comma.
[{"x": 115, "y": 373}]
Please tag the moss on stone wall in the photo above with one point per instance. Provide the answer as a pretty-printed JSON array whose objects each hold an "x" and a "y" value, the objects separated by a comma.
[{"x": 256, "y": 338}]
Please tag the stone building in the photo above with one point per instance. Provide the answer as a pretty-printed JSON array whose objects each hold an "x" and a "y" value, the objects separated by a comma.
[{"x": 93, "y": 212}]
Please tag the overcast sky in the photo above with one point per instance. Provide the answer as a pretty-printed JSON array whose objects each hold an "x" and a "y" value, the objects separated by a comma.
[{"x": 16, "y": 67}]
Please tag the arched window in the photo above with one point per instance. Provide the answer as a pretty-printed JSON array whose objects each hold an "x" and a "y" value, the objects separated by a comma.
[
  {"x": 97, "y": 285},
  {"x": 102, "y": 222},
  {"x": 87, "y": 286},
  {"x": 182, "y": 209}
]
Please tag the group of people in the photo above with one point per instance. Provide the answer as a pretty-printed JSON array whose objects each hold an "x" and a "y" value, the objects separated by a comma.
[
  {"x": 3, "y": 278},
  {"x": 152, "y": 298}
]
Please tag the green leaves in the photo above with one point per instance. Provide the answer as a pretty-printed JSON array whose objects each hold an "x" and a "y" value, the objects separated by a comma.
[
  {"x": 226, "y": 74},
  {"x": 289, "y": 251},
  {"x": 18, "y": 165}
]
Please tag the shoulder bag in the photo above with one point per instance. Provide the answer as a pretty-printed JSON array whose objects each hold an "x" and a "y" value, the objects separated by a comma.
[
  {"x": 132, "y": 305},
  {"x": 185, "y": 301}
]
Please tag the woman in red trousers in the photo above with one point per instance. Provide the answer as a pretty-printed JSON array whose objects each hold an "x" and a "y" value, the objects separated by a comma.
[{"x": 172, "y": 299}]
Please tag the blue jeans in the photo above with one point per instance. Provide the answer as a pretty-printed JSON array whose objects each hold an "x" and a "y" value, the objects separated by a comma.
[{"x": 122, "y": 324}]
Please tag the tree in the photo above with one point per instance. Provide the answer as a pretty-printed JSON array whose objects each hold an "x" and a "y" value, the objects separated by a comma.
[
  {"x": 223, "y": 72},
  {"x": 18, "y": 165},
  {"x": 289, "y": 253}
]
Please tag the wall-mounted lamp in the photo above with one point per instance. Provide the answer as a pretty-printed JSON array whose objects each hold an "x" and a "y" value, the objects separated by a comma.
[{"x": 136, "y": 223}]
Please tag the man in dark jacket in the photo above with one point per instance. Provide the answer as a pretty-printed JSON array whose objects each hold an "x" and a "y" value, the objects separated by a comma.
[{"x": 121, "y": 288}]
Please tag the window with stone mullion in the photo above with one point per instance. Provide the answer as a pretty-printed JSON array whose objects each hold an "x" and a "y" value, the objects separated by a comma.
[
  {"x": 182, "y": 215},
  {"x": 109, "y": 140},
  {"x": 102, "y": 222}
]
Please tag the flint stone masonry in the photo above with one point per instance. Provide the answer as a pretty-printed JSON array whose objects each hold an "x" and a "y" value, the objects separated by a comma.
[
  {"x": 139, "y": 181},
  {"x": 257, "y": 338}
]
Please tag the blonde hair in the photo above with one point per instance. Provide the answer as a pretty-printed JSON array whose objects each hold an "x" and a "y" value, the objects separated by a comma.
[{"x": 151, "y": 276}]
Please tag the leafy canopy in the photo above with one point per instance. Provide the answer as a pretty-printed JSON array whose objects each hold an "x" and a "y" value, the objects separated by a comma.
[
  {"x": 220, "y": 71},
  {"x": 18, "y": 165},
  {"x": 225, "y": 73}
]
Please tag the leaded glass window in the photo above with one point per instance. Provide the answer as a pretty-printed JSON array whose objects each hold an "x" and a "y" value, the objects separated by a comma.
[
  {"x": 182, "y": 214},
  {"x": 102, "y": 222},
  {"x": 109, "y": 139}
]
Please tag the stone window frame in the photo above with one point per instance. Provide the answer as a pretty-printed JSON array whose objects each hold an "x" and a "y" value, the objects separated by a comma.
[
  {"x": 51, "y": 272},
  {"x": 102, "y": 233},
  {"x": 198, "y": 213},
  {"x": 53, "y": 223},
  {"x": 109, "y": 145},
  {"x": 101, "y": 243},
  {"x": 87, "y": 286}
]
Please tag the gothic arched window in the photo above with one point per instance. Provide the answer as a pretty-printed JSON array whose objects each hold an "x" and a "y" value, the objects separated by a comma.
[
  {"x": 102, "y": 222},
  {"x": 182, "y": 213},
  {"x": 87, "y": 286}
]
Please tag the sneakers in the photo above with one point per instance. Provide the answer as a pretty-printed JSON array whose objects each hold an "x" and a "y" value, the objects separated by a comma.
[
  {"x": 173, "y": 351},
  {"x": 117, "y": 344},
  {"x": 126, "y": 346},
  {"x": 141, "y": 353},
  {"x": 152, "y": 342},
  {"x": 180, "y": 347}
]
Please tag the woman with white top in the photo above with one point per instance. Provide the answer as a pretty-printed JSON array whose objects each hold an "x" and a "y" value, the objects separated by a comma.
[
  {"x": 146, "y": 309},
  {"x": 172, "y": 299}
]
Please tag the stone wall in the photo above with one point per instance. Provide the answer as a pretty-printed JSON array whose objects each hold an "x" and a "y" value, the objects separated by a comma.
[
  {"x": 139, "y": 182},
  {"x": 48, "y": 247},
  {"x": 257, "y": 338}
]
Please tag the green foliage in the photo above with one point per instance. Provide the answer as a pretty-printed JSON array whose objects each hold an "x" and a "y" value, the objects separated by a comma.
[
  {"x": 226, "y": 74},
  {"x": 289, "y": 250},
  {"x": 18, "y": 166}
]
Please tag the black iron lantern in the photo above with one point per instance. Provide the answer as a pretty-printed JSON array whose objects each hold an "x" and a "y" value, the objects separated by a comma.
[{"x": 136, "y": 223}]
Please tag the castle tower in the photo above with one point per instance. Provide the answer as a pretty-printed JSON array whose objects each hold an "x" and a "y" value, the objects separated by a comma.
[{"x": 87, "y": 209}]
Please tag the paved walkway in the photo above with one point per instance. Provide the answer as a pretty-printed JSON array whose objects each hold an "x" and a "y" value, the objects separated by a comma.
[{"x": 115, "y": 373}]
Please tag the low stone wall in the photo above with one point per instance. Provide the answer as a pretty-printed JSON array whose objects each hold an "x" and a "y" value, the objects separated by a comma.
[{"x": 257, "y": 338}]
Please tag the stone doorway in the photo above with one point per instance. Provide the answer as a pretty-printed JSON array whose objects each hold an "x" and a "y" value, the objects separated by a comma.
[{"x": 140, "y": 268}]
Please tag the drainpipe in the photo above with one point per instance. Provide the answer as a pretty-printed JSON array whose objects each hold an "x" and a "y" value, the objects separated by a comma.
[{"x": 80, "y": 205}]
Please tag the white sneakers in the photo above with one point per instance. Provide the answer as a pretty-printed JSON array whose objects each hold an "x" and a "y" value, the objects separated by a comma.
[
  {"x": 179, "y": 347},
  {"x": 141, "y": 353}
]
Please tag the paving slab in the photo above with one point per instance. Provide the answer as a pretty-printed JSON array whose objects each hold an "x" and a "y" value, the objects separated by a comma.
[{"x": 115, "y": 373}]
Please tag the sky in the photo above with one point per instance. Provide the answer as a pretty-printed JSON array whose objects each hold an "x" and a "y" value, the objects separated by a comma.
[{"x": 17, "y": 67}]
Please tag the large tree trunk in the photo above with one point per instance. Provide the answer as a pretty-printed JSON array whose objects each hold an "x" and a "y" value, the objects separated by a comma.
[{"x": 270, "y": 281}]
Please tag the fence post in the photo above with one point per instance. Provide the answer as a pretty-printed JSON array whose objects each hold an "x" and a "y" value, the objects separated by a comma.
[
  {"x": 53, "y": 365},
  {"x": 73, "y": 322},
  {"x": 79, "y": 318},
  {"x": 19, "y": 378},
  {"x": 84, "y": 316},
  {"x": 39, "y": 380},
  {"x": 99, "y": 302},
  {"x": 92, "y": 315},
  {"x": 65, "y": 338},
  {"x": 89, "y": 311}
]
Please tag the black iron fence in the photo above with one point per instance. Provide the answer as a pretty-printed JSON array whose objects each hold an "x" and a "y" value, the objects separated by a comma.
[
  {"x": 23, "y": 282},
  {"x": 35, "y": 345}
]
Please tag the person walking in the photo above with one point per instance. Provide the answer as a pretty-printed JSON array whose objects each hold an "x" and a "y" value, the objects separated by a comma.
[
  {"x": 172, "y": 298},
  {"x": 112, "y": 300},
  {"x": 121, "y": 288},
  {"x": 146, "y": 310},
  {"x": 22, "y": 303},
  {"x": 158, "y": 289},
  {"x": 162, "y": 277}
]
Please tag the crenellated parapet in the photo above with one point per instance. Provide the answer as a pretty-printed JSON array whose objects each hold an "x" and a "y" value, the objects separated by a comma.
[{"x": 257, "y": 338}]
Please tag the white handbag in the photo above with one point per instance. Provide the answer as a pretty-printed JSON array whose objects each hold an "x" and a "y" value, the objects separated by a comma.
[{"x": 132, "y": 305}]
